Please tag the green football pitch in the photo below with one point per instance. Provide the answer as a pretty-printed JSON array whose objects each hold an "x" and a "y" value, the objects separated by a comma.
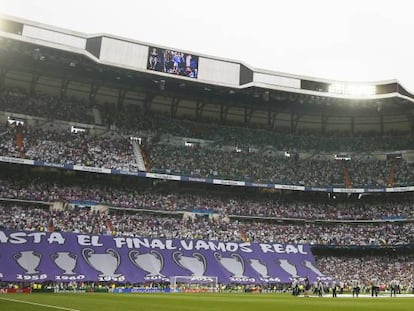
[{"x": 196, "y": 301}]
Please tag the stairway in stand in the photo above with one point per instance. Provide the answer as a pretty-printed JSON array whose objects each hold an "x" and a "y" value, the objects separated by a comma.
[
  {"x": 391, "y": 176},
  {"x": 138, "y": 155},
  {"x": 97, "y": 116},
  {"x": 347, "y": 178},
  {"x": 20, "y": 140}
]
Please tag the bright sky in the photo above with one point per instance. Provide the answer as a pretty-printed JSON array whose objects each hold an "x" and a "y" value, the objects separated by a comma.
[{"x": 353, "y": 40}]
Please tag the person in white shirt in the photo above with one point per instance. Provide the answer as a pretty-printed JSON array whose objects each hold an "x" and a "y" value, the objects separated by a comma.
[
  {"x": 295, "y": 287},
  {"x": 319, "y": 288},
  {"x": 334, "y": 288},
  {"x": 394, "y": 287},
  {"x": 374, "y": 287},
  {"x": 355, "y": 288}
]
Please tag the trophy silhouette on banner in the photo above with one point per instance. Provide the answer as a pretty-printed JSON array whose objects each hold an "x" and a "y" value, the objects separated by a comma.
[
  {"x": 289, "y": 267},
  {"x": 234, "y": 264},
  {"x": 151, "y": 262},
  {"x": 195, "y": 263},
  {"x": 311, "y": 267},
  {"x": 259, "y": 267},
  {"x": 66, "y": 261},
  {"x": 106, "y": 263},
  {"x": 28, "y": 260}
]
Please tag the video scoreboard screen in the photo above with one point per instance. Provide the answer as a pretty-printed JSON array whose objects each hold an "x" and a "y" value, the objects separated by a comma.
[{"x": 173, "y": 62}]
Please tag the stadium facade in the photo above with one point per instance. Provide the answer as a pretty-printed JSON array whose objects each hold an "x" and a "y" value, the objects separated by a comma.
[
  {"x": 103, "y": 68},
  {"x": 101, "y": 72}
]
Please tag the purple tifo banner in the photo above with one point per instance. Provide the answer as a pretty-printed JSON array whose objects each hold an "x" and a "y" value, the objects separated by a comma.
[{"x": 63, "y": 257}]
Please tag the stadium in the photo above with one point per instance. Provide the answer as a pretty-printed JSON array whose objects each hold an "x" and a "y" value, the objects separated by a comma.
[{"x": 196, "y": 181}]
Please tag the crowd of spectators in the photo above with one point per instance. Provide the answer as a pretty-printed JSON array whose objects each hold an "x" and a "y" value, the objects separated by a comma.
[
  {"x": 134, "y": 118},
  {"x": 384, "y": 268},
  {"x": 65, "y": 147},
  {"x": 47, "y": 106},
  {"x": 149, "y": 223},
  {"x": 252, "y": 158},
  {"x": 257, "y": 218},
  {"x": 256, "y": 166},
  {"x": 250, "y": 166},
  {"x": 215, "y": 161},
  {"x": 346, "y": 269},
  {"x": 233, "y": 204}
]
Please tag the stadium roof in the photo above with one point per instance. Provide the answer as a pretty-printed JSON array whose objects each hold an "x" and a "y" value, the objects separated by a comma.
[
  {"x": 114, "y": 66},
  {"x": 215, "y": 71}
]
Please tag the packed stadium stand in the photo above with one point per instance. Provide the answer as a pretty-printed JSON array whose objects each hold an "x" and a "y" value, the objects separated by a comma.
[{"x": 91, "y": 146}]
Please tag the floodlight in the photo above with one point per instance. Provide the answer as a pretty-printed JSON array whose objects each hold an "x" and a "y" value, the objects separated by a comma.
[{"x": 352, "y": 89}]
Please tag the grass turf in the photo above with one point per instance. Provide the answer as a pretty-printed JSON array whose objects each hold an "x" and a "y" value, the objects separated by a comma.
[{"x": 196, "y": 302}]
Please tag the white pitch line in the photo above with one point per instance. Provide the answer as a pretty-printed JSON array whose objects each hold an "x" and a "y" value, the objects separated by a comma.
[
  {"x": 362, "y": 296},
  {"x": 39, "y": 304}
]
